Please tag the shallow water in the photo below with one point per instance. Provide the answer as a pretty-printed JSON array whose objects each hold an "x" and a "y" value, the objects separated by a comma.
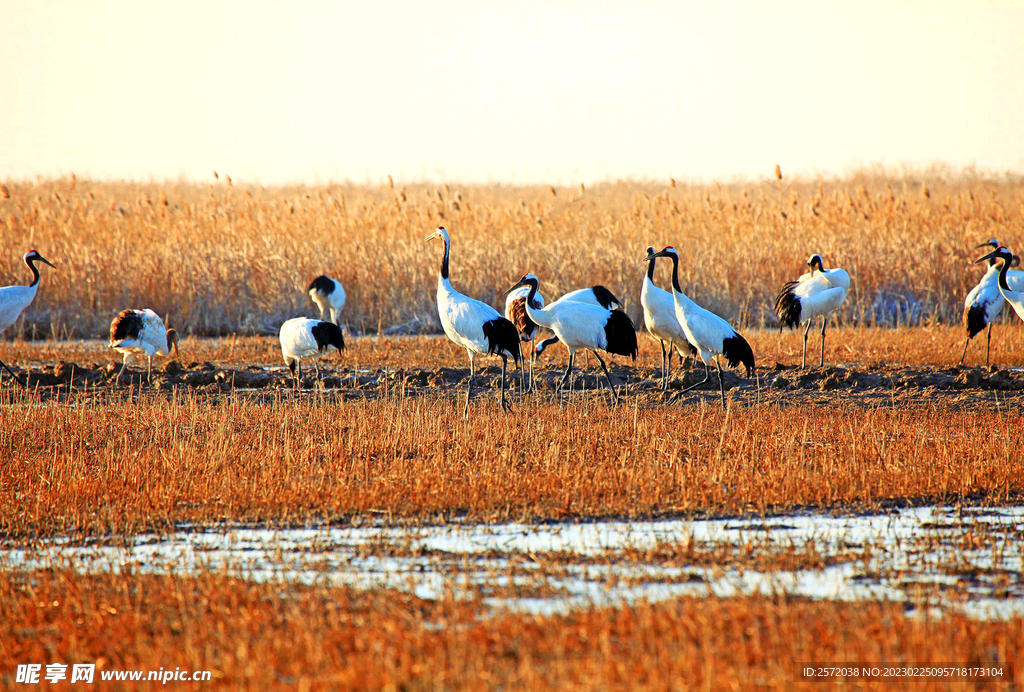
[{"x": 941, "y": 558}]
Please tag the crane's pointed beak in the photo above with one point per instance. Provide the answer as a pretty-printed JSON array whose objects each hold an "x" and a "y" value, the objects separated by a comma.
[
  {"x": 432, "y": 236},
  {"x": 514, "y": 287},
  {"x": 44, "y": 260},
  {"x": 978, "y": 247},
  {"x": 986, "y": 257}
]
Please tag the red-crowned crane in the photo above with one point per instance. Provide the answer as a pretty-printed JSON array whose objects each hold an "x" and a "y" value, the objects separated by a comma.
[
  {"x": 473, "y": 324},
  {"x": 302, "y": 337},
  {"x": 660, "y": 319},
  {"x": 1014, "y": 298},
  {"x": 985, "y": 302},
  {"x": 141, "y": 332},
  {"x": 583, "y": 326},
  {"x": 14, "y": 300},
  {"x": 328, "y": 295},
  {"x": 713, "y": 336},
  {"x": 595, "y": 295},
  {"x": 818, "y": 293},
  {"x": 515, "y": 312}
]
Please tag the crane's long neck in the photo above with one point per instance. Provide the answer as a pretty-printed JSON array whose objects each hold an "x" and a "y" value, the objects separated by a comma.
[
  {"x": 677, "y": 292},
  {"x": 650, "y": 268},
  {"x": 443, "y": 283},
  {"x": 31, "y": 262},
  {"x": 541, "y": 317},
  {"x": 1002, "y": 274}
]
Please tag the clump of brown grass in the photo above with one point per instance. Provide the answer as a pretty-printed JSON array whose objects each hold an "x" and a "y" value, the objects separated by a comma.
[
  {"x": 132, "y": 463},
  {"x": 228, "y": 258},
  {"x": 270, "y": 636}
]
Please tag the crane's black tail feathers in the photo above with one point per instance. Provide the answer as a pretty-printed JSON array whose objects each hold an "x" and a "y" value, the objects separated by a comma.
[
  {"x": 787, "y": 306},
  {"x": 974, "y": 320},
  {"x": 736, "y": 350},
  {"x": 621, "y": 335},
  {"x": 502, "y": 338}
]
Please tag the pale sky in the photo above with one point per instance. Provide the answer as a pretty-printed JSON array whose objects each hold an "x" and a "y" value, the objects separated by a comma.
[{"x": 523, "y": 92}]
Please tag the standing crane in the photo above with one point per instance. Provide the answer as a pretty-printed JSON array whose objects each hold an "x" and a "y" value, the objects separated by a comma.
[
  {"x": 15, "y": 299},
  {"x": 595, "y": 295},
  {"x": 583, "y": 326},
  {"x": 1014, "y": 298},
  {"x": 714, "y": 337},
  {"x": 818, "y": 293},
  {"x": 141, "y": 332},
  {"x": 515, "y": 312},
  {"x": 660, "y": 319},
  {"x": 985, "y": 302},
  {"x": 473, "y": 324},
  {"x": 328, "y": 294},
  {"x": 302, "y": 337}
]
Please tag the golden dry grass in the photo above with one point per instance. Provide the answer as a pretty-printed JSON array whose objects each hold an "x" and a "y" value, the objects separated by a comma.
[
  {"x": 936, "y": 345},
  {"x": 122, "y": 464},
  {"x": 274, "y": 637},
  {"x": 223, "y": 259}
]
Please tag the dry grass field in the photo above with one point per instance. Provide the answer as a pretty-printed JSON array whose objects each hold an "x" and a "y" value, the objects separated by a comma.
[
  {"x": 220, "y": 440},
  {"x": 223, "y": 259},
  {"x": 96, "y": 458},
  {"x": 269, "y": 636}
]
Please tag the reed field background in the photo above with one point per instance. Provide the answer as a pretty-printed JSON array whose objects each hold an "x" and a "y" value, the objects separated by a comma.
[{"x": 231, "y": 258}]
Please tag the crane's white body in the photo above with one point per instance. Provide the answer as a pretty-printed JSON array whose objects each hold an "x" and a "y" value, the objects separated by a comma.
[
  {"x": 13, "y": 301},
  {"x": 660, "y": 316},
  {"x": 986, "y": 294},
  {"x": 587, "y": 296},
  {"x": 821, "y": 292},
  {"x": 584, "y": 326},
  {"x": 151, "y": 340},
  {"x": 473, "y": 324},
  {"x": 702, "y": 328},
  {"x": 140, "y": 332},
  {"x": 298, "y": 342},
  {"x": 1014, "y": 298},
  {"x": 331, "y": 302},
  {"x": 578, "y": 325},
  {"x": 463, "y": 318},
  {"x": 661, "y": 321}
]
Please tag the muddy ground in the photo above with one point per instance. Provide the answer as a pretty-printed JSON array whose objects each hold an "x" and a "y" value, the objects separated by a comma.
[{"x": 780, "y": 384}]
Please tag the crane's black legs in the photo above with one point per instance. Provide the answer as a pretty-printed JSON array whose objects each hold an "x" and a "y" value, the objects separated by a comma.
[
  {"x": 988, "y": 344},
  {"x": 664, "y": 382},
  {"x": 824, "y": 323},
  {"x": 721, "y": 384},
  {"x": 16, "y": 378},
  {"x": 964, "y": 354},
  {"x": 149, "y": 370},
  {"x": 565, "y": 377},
  {"x": 707, "y": 376},
  {"x": 298, "y": 376},
  {"x": 469, "y": 385},
  {"x": 615, "y": 395},
  {"x": 504, "y": 366},
  {"x": 124, "y": 366},
  {"x": 803, "y": 363},
  {"x": 668, "y": 366}
]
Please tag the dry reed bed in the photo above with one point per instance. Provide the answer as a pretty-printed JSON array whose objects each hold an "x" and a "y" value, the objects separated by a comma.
[
  {"x": 936, "y": 345},
  {"x": 222, "y": 259},
  {"x": 270, "y": 636},
  {"x": 82, "y": 467}
]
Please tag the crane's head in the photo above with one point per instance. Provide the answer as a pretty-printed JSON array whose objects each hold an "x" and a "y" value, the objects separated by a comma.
[
  {"x": 667, "y": 252},
  {"x": 33, "y": 256},
  {"x": 991, "y": 242},
  {"x": 815, "y": 262},
  {"x": 172, "y": 342},
  {"x": 527, "y": 280},
  {"x": 439, "y": 232},
  {"x": 999, "y": 253}
]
